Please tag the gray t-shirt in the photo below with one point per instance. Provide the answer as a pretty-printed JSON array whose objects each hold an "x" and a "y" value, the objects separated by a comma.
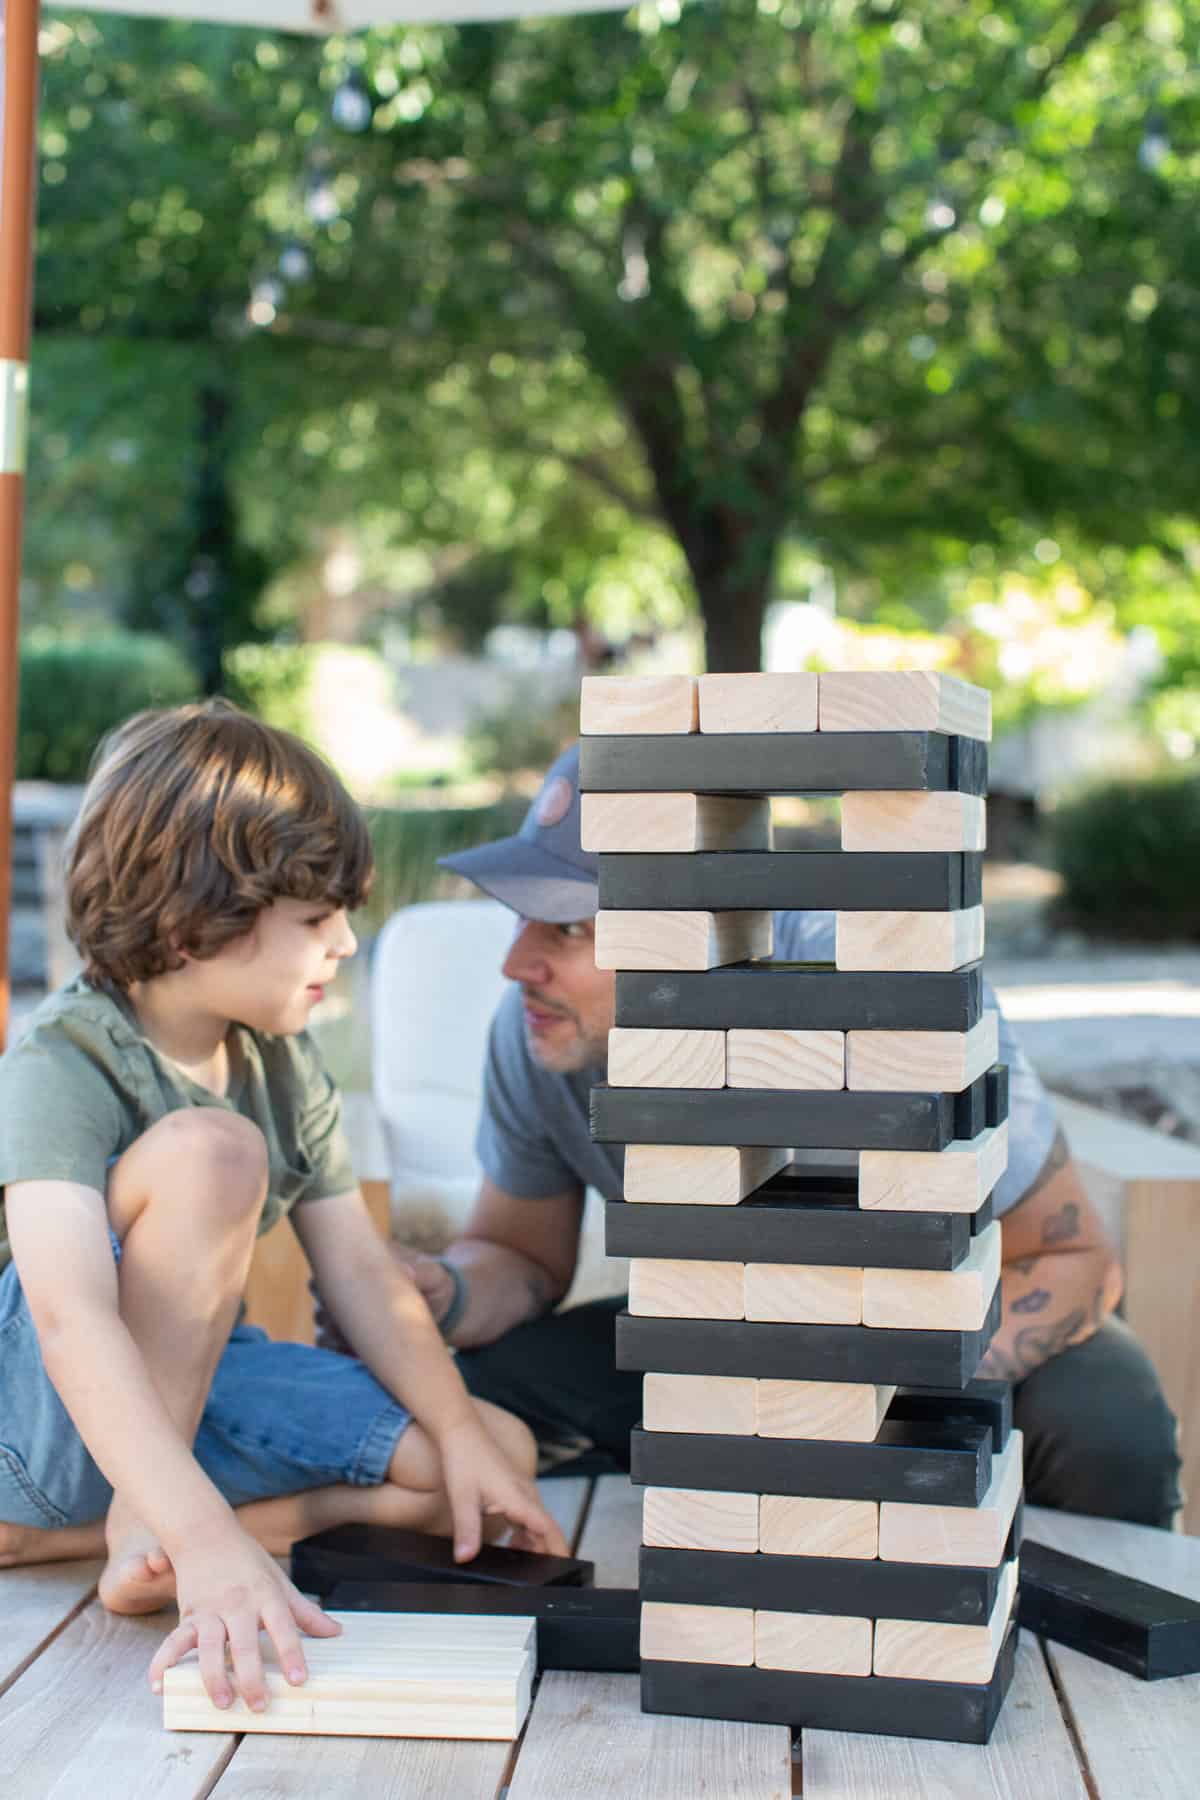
[{"x": 534, "y": 1141}]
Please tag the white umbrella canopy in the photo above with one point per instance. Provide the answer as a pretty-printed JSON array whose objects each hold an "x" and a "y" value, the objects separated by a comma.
[{"x": 325, "y": 16}]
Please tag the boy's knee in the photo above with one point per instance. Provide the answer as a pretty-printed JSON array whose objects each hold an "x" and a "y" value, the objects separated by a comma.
[{"x": 200, "y": 1146}]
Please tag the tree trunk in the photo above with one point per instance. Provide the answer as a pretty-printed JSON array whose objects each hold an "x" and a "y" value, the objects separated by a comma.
[{"x": 733, "y": 621}]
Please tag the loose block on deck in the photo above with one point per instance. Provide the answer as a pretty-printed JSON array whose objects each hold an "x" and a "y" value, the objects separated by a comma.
[
  {"x": 935, "y": 1533},
  {"x": 666, "y": 1058},
  {"x": 956, "y": 1179},
  {"x": 577, "y": 1628},
  {"x": 780, "y": 996},
  {"x": 825, "y": 1352},
  {"x": 785, "y": 880},
  {"x": 680, "y": 940},
  {"x": 390, "y": 1553},
  {"x": 768, "y": 763},
  {"x": 417, "y": 1675},
  {"x": 696, "y": 1175},
  {"x": 902, "y": 700},
  {"x": 893, "y": 942},
  {"x": 953, "y": 1467},
  {"x": 673, "y": 823},
  {"x": 1112, "y": 1617},
  {"x": 646, "y": 703}
]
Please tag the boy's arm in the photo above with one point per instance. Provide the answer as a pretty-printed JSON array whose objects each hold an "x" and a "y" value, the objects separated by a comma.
[{"x": 387, "y": 1323}]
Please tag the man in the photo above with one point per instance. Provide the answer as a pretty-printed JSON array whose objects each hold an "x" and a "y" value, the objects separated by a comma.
[{"x": 1099, "y": 1437}]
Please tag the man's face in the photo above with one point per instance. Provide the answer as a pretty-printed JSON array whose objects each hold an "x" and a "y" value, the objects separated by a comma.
[{"x": 568, "y": 1001}]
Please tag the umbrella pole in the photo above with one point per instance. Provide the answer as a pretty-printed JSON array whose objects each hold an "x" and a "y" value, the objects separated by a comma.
[{"x": 16, "y": 288}]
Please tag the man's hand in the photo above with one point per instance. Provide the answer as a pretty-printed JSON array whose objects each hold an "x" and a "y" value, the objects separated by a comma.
[
  {"x": 429, "y": 1278},
  {"x": 480, "y": 1481},
  {"x": 229, "y": 1589}
]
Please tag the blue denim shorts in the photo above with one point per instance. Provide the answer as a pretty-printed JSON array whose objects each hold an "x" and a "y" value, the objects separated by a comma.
[{"x": 280, "y": 1418}]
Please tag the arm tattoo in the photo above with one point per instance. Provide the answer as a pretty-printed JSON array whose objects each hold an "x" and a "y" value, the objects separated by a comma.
[
  {"x": 1061, "y": 1226},
  {"x": 1058, "y": 1158},
  {"x": 1033, "y": 1346},
  {"x": 538, "y": 1289},
  {"x": 1034, "y": 1302}
]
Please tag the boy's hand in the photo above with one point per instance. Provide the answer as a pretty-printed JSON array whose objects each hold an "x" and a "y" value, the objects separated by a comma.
[
  {"x": 481, "y": 1481},
  {"x": 229, "y": 1589}
]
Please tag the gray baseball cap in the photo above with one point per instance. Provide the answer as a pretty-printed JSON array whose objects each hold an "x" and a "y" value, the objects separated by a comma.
[{"x": 543, "y": 872}]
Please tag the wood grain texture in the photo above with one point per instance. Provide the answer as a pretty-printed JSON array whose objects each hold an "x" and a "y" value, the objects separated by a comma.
[
  {"x": 704, "y": 1403},
  {"x": 903, "y": 700},
  {"x": 35, "y": 1603},
  {"x": 697, "y": 1174},
  {"x": 658, "y": 823},
  {"x": 666, "y": 1058},
  {"x": 785, "y": 1059},
  {"x": 794, "y": 1525},
  {"x": 803, "y": 1294},
  {"x": 895, "y": 942},
  {"x": 974, "y": 1536},
  {"x": 933, "y": 1299},
  {"x": 619, "y": 705},
  {"x": 312, "y": 1768},
  {"x": 904, "y": 821},
  {"x": 708, "y": 1634},
  {"x": 680, "y": 940},
  {"x": 674, "y": 1288},
  {"x": 957, "y": 1179},
  {"x": 848, "y": 1412},
  {"x": 699, "y": 1519},
  {"x": 758, "y": 702},
  {"x": 921, "y": 1650},
  {"x": 812, "y": 1643},
  {"x": 944, "y": 1061}
]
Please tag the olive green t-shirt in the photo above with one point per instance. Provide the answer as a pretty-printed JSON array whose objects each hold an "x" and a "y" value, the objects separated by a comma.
[{"x": 84, "y": 1082}]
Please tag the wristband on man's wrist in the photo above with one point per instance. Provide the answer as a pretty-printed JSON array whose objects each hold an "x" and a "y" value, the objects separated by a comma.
[{"x": 458, "y": 1300}]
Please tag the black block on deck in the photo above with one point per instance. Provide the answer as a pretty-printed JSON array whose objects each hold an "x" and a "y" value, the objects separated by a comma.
[
  {"x": 981, "y": 1402},
  {"x": 787, "y": 1222},
  {"x": 387, "y": 1553},
  {"x": 829, "y": 762},
  {"x": 791, "y": 880},
  {"x": 911, "y": 1461},
  {"x": 851, "y": 1586},
  {"x": 1136, "y": 1627},
  {"x": 782, "y": 996},
  {"x": 803, "y": 1352},
  {"x": 588, "y": 1628},
  {"x": 884, "y": 1705}
]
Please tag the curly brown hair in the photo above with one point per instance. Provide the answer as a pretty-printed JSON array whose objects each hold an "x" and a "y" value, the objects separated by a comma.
[{"x": 194, "y": 820}]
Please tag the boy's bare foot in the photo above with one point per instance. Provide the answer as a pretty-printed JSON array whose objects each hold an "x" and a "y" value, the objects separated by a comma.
[
  {"x": 138, "y": 1577},
  {"x": 24, "y": 1544}
]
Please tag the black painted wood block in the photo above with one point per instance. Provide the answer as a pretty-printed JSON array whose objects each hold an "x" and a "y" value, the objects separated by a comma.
[
  {"x": 831, "y": 762},
  {"x": 791, "y": 880},
  {"x": 954, "y": 1711},
  {"x": 996, "y": 1096},
  {"x": 803, "y": 1352},
  {"x": 839, "y": 1585},
  {"x": 909, "y": 1460},
  {"x": 387, "y": 1553},
  {"x": 809, "y": 1119},
  {"x": 981, "y": 1402},
  {"x": 1145, "y": 1630},
  {"x": 785, "y": 1223},
  {"x": 782, "y": 996},
  {"x": 577, "y": 1628}
]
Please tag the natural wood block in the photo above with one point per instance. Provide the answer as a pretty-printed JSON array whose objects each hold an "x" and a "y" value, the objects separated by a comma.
[
  {"x": 791, "y": 1525},
  {"x": 666, "y": 1058},
  {"x": 903, "y": 700},
  {"x": 812, "y": 1643},
  {"x": 699, "y": 1519},
  {"x": 637, "y": 704},
  {"x": 388, "y": 1675},
  {"x": 722, "y": 1403},
  {"x": 803, "y": 1294},
  {"x": 847, "y": 1412},
  {"x": 920, "y": 1650},
  {"x": 754, "y": 702},
  {"x": 973, "y": 1536},
  {"x": 936, "y": 1299},
  {"x": 680, "y": 940},
  {"x": 908, "y": 822},
  {"x": 649, "y": 823},
  {"x": 786, "y": 1059},
  {"x": 698, "y": 1174},
  {"x": 664, "y": 1288},
  {"x": 703, "y": 1634},
  {"x": 896, "y": 941},
  {"x": 941, "y": 1061},
  {"x": 957, "y": 1179}
]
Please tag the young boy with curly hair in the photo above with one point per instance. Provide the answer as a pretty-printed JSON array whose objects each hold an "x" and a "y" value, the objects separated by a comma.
[{"x": 160, "y": 1112}]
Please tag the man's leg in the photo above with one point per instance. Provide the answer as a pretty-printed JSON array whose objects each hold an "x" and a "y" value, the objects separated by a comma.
[
  {"x": 1099, "y": 1435},
  {"x": 559, "y": 1375}
]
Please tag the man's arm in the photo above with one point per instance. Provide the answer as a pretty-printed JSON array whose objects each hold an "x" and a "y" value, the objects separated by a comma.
[{"x": 1060, "y": 1276}]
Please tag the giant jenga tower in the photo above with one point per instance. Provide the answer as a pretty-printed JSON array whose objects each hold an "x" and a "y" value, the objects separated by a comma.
[{"x": 831, "y": 1504}]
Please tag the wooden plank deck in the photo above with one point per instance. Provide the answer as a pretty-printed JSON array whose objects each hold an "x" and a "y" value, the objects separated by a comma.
[{"x": 76, "y": 1715}]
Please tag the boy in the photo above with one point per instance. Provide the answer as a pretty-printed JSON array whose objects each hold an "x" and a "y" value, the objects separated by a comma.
[{"x": 159, "y": 1112}]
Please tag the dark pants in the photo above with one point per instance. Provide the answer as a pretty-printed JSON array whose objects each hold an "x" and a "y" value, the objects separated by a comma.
[{"x": 1099, "y": 1436}]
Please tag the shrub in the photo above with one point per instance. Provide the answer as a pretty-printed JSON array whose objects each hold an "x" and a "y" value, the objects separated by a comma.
[
  {"x": 73, "y": 691},
  {"x": 1129, "y": 855}
]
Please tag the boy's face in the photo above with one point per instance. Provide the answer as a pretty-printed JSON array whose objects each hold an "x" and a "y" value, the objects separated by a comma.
[
  {"x": 273, "y": 976},
  {"x": 569, "y": 1002}
]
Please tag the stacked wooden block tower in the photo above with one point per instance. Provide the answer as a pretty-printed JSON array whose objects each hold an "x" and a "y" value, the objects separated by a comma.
[{"x": 831, "y": 1500}]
